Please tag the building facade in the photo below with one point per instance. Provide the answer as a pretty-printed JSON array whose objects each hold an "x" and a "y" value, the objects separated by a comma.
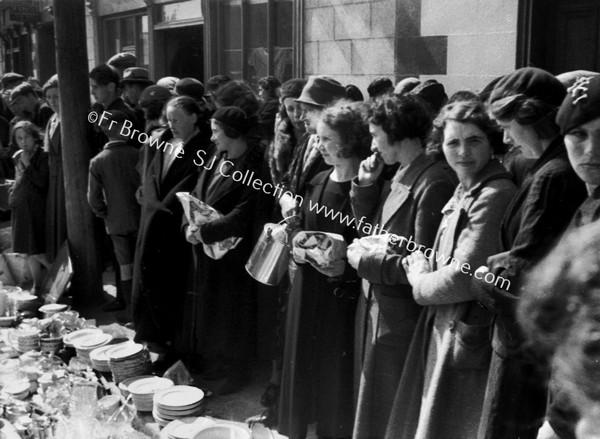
[{"x": 461, "y": 43}]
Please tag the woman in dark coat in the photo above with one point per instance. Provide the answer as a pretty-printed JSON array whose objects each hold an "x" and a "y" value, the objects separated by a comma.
[
  {"x": 221, "y": 310},
  {"x": 317, "y": 372},
  {"x": 444, "y": 378},
  {"x": 56, "y": 211},
  {"x": 524, "y": 104},
  {"x": 28, "y": 199},
  {"x": 161, "y": 259}
]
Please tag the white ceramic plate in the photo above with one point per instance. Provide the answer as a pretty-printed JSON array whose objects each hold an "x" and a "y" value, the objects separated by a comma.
[
  {"x": 124, "y": 350},
  {"x": 72, "y": 337},
  {"x": 223, "y": 432},
  {"x": 92, "y": 341},
  {"x": 185, "y": 428},
  {"x": 179, "y": 397},
  {"x": 53, "y": 307},
  {"x": 149, "y": 386}
]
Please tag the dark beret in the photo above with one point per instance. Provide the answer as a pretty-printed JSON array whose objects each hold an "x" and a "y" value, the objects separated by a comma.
[
  {"x": 190, "y": 87},
  {"x": 155, "y": 93},
  {"x": 581, "y": 105},
  {"x": 292, "y": 88},
  {"x": 530, "y": 82},
  {"x": 379, "y": 86},
  {"x": 233, "y": 117},
  {"x": 321, "y": 91},
  {"x": 431, "y": 92}
]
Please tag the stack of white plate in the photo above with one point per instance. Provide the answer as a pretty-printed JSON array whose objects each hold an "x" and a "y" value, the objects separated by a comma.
[
  {"x": 28, "y": 340},
  {"x": 142, "y": 391},
  {"x": 177, "y": 402},
  {"x": 127, "y": 360},
  {"x": 72, "y": 337},
  {"x": 99, "y": 359},
  {"x": 124, "y": 385},
  {"x": 85, "y": 345},
  {"x": 52, "y": 308}
]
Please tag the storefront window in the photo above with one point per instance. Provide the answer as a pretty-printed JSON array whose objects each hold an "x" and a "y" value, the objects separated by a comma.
[
  {"x": 253, "y": 38},
  {"x": 127, "y": 34}
]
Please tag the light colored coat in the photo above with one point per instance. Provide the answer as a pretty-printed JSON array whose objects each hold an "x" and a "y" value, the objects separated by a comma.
[{"x": 444, "y": 380}]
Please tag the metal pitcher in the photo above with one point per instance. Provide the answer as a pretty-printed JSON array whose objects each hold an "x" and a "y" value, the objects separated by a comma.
[{"x": 268, "y": 262}]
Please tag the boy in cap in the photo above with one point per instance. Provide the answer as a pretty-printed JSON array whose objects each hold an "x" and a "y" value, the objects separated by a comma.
[{"x": 112, "y": 185}]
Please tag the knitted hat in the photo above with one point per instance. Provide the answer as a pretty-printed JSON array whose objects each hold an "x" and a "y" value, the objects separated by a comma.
[
  {"x": 155, "y": 93},
  {"x": 581, "y": 105},
  {"x": 233, "y": 117},
  {"x": 321, "y": 91},
  {"x": 190, "y": 87}
]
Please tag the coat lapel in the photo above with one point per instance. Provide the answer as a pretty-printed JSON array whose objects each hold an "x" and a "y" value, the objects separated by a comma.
[{"x": 402, "y": 185}]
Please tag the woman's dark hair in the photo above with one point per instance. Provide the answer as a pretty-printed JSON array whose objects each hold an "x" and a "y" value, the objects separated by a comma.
[
  {"x": 348, "y": 120},
  {"x": 229, "y": 131},
  {"x": 473, "y": 112},
  {"x": 30, "y": 128},
  {"x": 527, "y": 111},
  {"x": 237, "y": 94},
  {"x": 401, "y": 117}
]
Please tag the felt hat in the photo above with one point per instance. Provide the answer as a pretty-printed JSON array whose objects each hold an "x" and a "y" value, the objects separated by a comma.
[
  {"x": 190, "y": 87},
  {"x": 233, "y": 117},
  {"x": 136, "y": 75},
  {"x": 11, "y": 78},
  {"x": 581, "y": 104},
  {"x": 292, "y": 88},
  {"x": 530, "y": 82},
  {"x": 405, "y": 86},
  {"x": 155, "y": 93},
  {"x": 122, "y": 60},
  {"x": 321, "y": 91},
  {"x": 380, "y": 86},
  {"x": 22, "y": 89},
  {"x": 431, "y": 92}
]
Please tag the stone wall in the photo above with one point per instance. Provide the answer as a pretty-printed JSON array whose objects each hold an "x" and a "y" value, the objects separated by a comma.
[{"x": 350, "y": 40}]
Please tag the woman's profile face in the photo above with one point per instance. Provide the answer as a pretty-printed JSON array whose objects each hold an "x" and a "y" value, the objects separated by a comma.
[
  {"x": 583, "y": 147},
  {"x": 467, "y": 149},
  {"x": 293, "y": 111},
  {"x": 522, "y": 136},
  {"x": 330, "y": 144}
]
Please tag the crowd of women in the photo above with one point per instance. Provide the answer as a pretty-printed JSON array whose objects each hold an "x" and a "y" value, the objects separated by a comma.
[{"x": 384, "y": 342}]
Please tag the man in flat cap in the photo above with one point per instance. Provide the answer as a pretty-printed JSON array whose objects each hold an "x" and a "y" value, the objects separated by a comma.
[{"x": 122, "y": 61}]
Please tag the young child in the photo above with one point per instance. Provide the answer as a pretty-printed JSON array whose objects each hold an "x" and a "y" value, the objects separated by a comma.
[
  {"x": 113, "y": 181},
  {"x": 28, "y": 199}
]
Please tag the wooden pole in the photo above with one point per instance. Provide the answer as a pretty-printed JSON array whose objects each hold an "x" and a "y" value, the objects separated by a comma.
[{"x": 74, "y": 92}]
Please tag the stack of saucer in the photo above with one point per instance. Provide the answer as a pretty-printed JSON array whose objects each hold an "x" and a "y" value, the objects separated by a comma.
[
  {"x": 177, "y": 402},
  {"x": 142, "y": 391},
  {"x": 85, "y": 345},
  {"x": 127, "y": 360},
  {"x": 28, "y": 340},
  {"x": 99, "y": 359}
]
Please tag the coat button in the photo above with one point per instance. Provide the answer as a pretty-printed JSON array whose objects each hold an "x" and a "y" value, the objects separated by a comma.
[{"x": 451, "y": 325}]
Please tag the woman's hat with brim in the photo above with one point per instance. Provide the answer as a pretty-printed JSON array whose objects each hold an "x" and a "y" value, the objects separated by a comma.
[
  {"x": 321, "y": 91},
  {"x": 233, "y": 117},
  {"x": 581, "y": 105},
  {"x": 136, "y": 75}
]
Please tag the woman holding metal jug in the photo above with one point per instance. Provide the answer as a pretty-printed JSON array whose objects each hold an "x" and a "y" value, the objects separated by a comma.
[{"x": 318, "y": 359}]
